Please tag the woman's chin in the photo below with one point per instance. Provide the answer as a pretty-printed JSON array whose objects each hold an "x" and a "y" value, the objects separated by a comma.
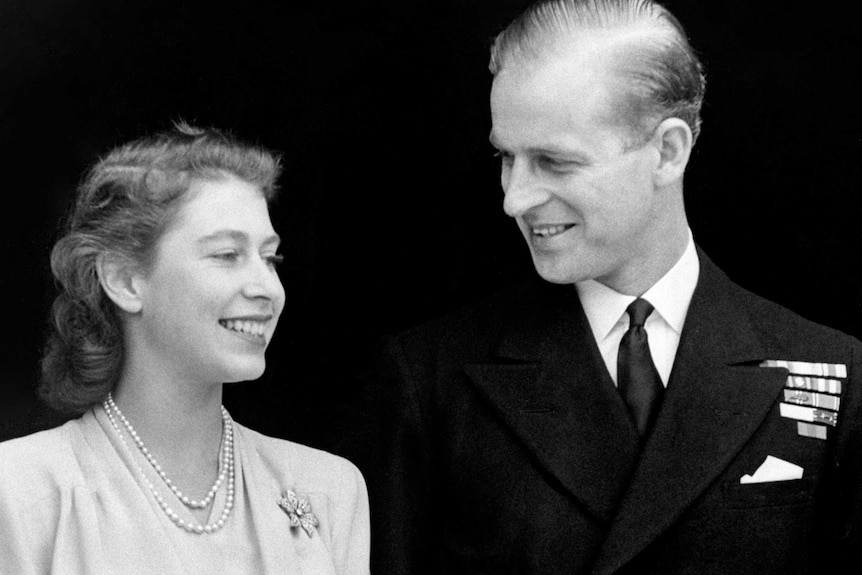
[{"x": 249, "y": 372}]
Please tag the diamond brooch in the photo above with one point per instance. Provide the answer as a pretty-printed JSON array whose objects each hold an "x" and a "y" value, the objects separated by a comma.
[{"x": 298, "y": 511}]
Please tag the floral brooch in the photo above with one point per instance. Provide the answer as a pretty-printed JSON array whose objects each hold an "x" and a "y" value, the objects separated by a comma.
[{"x": 299, "y": 511}]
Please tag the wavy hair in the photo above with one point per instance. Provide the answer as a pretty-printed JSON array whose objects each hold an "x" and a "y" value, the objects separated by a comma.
[
  {"x": 661, "y": 72},
  {"x": 123, "y": 206}
]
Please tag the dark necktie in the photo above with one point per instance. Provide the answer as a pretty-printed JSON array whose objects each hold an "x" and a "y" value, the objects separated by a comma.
[{"x": 637, "y": 377}]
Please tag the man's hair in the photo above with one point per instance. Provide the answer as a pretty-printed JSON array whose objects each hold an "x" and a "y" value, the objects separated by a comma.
[
  {"x": 123, "y": 206},
  {"x": 661, "y": 71}
]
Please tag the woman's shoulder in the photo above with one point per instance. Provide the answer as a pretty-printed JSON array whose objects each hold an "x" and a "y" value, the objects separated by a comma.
[
  {"x": 37, "y": 447},
  {"x": 307, "y": 465},
  {"x": 41, "y": 459}
]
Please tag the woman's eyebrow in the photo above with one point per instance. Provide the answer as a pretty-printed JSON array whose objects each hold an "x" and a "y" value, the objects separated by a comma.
[{"x": 237, "y": 236}]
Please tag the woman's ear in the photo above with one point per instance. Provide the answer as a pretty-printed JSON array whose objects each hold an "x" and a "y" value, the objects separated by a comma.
[
  {"x": 675, "y": 141},
  {"x": 120, "y": 280}
]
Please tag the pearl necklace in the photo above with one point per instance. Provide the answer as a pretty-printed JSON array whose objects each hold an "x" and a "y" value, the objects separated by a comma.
[
  {"x": 227, "y": 439},
  {"x": 226, "y": 470}
]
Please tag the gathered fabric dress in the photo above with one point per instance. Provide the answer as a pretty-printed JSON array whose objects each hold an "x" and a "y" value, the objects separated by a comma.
[{"x": 73, "y": 501}]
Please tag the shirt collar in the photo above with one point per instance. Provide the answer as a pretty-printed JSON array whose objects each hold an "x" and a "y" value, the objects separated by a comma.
[{"x": 670, "y": 296}]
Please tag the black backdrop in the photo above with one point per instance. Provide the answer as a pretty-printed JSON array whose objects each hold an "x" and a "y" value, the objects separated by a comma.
[{"x": 391, "y": 209}]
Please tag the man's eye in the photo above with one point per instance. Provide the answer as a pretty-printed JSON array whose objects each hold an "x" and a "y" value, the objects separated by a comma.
[
  {"x": 228, "y": 256},
  {"x": 505, "y": 157},
  {"x": 555, "y": 165}
]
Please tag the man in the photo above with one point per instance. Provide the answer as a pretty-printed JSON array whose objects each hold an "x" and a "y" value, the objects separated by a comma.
[{"x": 633, "y": 411}]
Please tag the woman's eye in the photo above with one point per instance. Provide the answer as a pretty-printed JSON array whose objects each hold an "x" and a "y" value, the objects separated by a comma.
[{"x": 274, "y": 259}]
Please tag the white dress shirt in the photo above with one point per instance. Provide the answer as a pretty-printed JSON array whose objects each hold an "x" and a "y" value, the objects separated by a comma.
[{"x": 670, "y": 296}]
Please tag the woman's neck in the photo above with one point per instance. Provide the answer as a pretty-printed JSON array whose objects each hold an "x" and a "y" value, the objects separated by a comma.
[{"x": 180, "y": 423}]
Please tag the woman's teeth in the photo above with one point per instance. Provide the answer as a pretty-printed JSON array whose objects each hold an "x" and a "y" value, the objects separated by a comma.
[{"x": 245, "y": 326}]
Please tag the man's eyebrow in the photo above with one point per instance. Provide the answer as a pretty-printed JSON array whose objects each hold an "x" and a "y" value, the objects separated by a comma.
[
  {"x": 557, "y": 151},
  {"x": 539, "y": 150}
]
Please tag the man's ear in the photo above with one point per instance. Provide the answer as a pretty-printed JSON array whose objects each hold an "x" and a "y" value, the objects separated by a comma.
[
  {"x": 120, "y": 280},
  {"x": 674, "y": 139}
]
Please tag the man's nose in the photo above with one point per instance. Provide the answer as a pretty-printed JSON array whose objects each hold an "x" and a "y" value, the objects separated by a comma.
[{"x": 522, "y": 188}]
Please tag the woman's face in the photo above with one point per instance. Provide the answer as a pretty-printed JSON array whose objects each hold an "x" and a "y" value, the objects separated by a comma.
[{"x": 212, "y": 298}]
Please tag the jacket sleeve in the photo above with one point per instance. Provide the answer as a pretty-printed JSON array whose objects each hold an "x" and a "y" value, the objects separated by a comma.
[
  {"x": 845, "y": 521},
  {"x": 351, "y": 537},
  {"x": 392, "y": 445}
]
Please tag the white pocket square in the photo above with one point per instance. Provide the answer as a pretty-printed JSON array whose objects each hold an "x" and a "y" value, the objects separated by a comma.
[{"x": 773, "y": 469}]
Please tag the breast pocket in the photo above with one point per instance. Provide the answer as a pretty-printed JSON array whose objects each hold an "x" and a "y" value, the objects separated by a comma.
[{"x": 769, "y": 494}]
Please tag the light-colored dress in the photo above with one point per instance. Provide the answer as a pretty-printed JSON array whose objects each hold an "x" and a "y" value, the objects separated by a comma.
[{"x": 72, "y": 501}]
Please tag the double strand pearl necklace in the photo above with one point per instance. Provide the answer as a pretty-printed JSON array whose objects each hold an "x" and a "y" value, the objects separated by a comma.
[{"x": 226, "y": 470}]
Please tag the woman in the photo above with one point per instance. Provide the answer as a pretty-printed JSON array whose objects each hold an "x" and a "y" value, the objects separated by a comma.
[{"x": 169, "y": 289}]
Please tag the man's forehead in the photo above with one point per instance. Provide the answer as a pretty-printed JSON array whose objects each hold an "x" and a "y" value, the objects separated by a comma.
[
  {"x": 553, "y": 83},
  {"x": 549, "y": 121}
]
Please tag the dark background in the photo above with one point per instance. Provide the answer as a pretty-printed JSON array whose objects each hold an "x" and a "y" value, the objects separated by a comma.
[{"x": 391, "y": 207}]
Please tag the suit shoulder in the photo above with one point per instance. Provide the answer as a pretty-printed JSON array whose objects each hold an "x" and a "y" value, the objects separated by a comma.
[
  {"x": 788, "y": 329},
  {"x": 476, "y": 325}
]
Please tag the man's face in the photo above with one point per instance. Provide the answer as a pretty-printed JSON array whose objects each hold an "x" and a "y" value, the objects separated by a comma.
[{"x": 585, "y": 202}]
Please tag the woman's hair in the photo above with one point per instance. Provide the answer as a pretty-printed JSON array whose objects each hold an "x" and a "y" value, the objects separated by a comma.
[{"x": 123, "y": 206}]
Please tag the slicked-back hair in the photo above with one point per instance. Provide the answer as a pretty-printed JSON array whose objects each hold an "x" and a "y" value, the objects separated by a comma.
[
  {"x": 662, "y": 74},
  {"x": 123, "y": 206}
]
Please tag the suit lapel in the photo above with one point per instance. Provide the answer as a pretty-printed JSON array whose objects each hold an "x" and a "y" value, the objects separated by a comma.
[
  {"x": 715, "y": 400},
  {"x": 552, "y": 389}
]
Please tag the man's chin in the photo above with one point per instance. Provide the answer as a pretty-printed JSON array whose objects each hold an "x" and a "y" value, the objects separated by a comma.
[{"x": 555, "y": 272}]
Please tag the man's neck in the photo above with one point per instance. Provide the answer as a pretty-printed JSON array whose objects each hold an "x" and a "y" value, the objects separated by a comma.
[{"x": 646, "y": 272}]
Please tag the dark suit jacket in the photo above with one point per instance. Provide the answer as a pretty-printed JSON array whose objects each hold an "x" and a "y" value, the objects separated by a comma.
[{"x": 501, "y": 445}]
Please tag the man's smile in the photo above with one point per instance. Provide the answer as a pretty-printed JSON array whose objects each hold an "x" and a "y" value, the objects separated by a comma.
[{"x": 549, "y": 230}]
